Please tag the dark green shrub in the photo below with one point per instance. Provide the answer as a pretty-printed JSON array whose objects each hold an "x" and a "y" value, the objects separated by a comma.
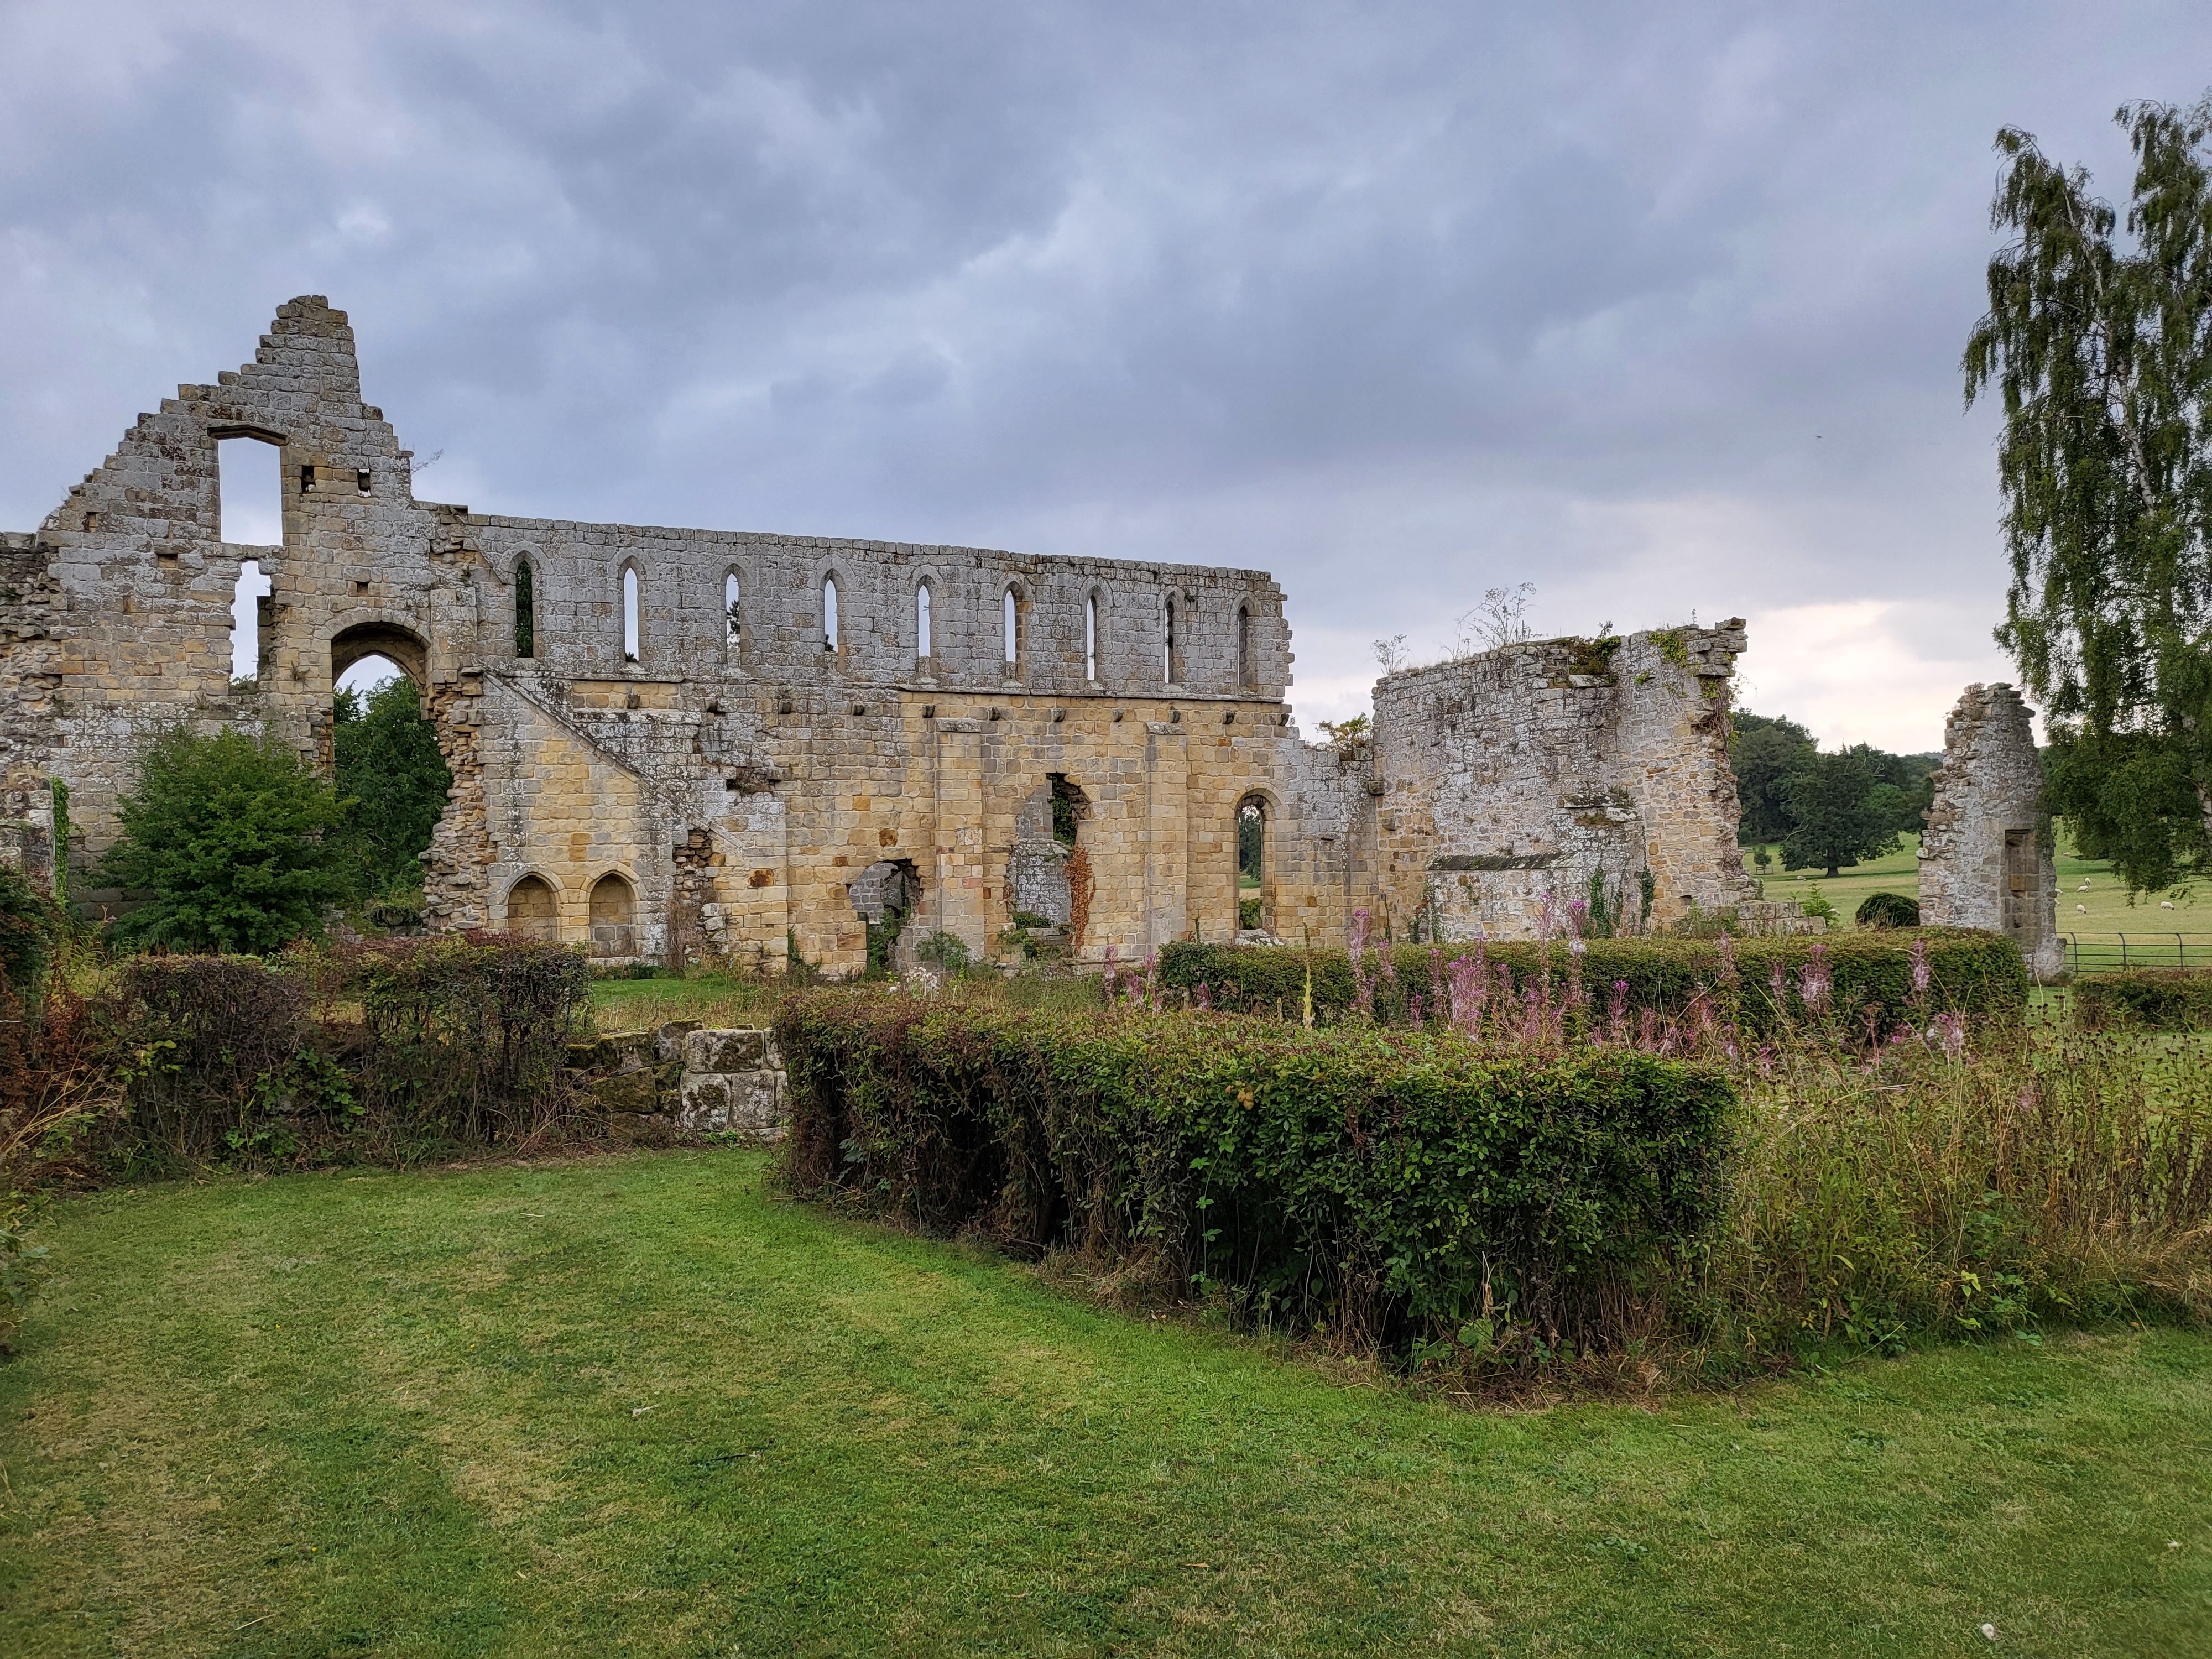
[
  {"x": 1386, "y": 1186},
  {"x": 2145, "y": 998},
  {"x": 235, "y": 840},
  {"x": 467, "y": 1041},
  {"x": 1888, "y": 910},
  {"x": 233, "y": 1059},
  {"x": 1968, "y": 973},
  {"x": 30, "y": 925},
  {"x": 211, "y": 1052}
]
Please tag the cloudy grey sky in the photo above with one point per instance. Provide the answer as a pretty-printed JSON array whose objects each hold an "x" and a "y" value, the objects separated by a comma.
[{"x": 1658, "y": 307}]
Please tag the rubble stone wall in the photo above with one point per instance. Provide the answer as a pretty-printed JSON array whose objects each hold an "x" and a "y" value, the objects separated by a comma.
[
  {"x": 720, "y": 787},
  {"x": 1986, "y": 855},
  {"x": 1525, "y": 774}
]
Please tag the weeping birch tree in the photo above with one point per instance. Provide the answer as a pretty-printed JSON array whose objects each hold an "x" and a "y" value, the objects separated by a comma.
[{"x": 2099, "y": 341}]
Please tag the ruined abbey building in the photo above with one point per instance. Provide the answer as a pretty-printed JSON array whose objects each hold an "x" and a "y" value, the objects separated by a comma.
[{"x": 755, "y": 748}]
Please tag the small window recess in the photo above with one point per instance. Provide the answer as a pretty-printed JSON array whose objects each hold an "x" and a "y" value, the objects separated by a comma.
[
  {"x": 829, "y": 613},
  {"x": 732, "y": 615},
  {"x": 1171, "y": 665},
  {"x": 630, "y": 626},
  {"x": 1010, "y": 620},
  {"x": 923, "y": 640},
  {"x": 1245, "y": 677},
  {"x": 525, "y": 609},
  {"x": 360, "y": 480},
  {"x": 1090, "y": 638},
  {"x": 307, "y": 477}
]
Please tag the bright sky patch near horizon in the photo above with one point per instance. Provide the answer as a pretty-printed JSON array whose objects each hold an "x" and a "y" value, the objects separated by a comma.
[{"x": 1660, "y": 309}]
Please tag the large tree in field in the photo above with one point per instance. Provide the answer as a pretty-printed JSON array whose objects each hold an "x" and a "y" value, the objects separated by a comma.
[
  {"x": 2102, "y": 352},
  {"x": 1834, "y": 819},
  {"x": 1763, "y": 752}
]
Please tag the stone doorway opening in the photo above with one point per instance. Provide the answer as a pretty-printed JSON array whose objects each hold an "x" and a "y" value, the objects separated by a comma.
[
  {"x": 532, "y": 912},
  {"x": 388, "y": 764},
  {"x": 886, "y": 896}
]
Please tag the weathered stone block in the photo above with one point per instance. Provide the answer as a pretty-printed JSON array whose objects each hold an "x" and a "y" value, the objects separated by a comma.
[
  {"x": 626, "y": 1091},
  {"x": 739, "y": 1049},
  {"x": 668, "y": 1039},
  {"x": 746, "y": 1103}
]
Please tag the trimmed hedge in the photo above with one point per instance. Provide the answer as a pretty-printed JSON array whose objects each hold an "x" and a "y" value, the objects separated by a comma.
[
  {"x": 2145, "y": 998},
  {"x": 1384, "y": 1185},
  {"x": 239, "y": 1060},
  {"x": 1969, "y": 973}
]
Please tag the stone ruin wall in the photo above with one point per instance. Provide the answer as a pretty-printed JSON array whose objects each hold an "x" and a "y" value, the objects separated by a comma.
[
  {"x": 755, "y": 793},
  {"x": 1986, "y": 857},
  {"x": 1504, "y": 780}
]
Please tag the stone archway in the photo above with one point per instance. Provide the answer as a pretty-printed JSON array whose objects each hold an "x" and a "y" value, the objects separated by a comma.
[{"x": 393, "y": 641}]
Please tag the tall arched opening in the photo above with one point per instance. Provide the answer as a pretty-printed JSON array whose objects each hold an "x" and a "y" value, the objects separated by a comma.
[
  {"x": 387, "y": 763},
  {"x": 1254, "y": 910},
  {"x": 614, "y": 916}
]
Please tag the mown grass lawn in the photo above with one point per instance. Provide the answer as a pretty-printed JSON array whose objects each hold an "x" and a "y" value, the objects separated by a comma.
[{"x": 639, "y": 1405}]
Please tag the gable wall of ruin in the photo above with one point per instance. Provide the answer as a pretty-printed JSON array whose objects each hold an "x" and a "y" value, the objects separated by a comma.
[{"x": 734, "y": 785}]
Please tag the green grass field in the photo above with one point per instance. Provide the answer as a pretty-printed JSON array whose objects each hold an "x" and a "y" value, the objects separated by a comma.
[
  {"x": 637, "y": 1405},
  {"x": 2093, "y": 902}
]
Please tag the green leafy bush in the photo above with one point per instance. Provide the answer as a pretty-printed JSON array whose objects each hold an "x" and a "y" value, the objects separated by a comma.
[
  {"x": 29, "y": 926},
  {"x": 1968, "y": 972},
  {"x": 467, "y": 1041},
  {"x": 234, "y": 1060},
  {"x": 394, "y": 782},
  {"x": 1385, "y": 1187},
  {"x": 2145, "y": 998},
  {"x": 234, "y": 838},
  {"x": 1888, "y": 910}
]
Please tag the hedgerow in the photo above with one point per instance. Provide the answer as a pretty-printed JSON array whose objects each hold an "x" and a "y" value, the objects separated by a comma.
[
  {"x": 2145, "y": 998},
  {"x": 1749, "y": 982},
  {"x": 391, "y": 1053},
  {"x": 1384, "y": 1187}
]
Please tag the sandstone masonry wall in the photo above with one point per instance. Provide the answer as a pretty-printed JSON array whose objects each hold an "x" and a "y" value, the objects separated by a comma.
[
  {"x": 689, "y": 774},
  {"x": 1986, "y": 855}
]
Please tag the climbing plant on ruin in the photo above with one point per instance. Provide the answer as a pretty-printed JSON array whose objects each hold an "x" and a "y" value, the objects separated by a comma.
[{"x": 2100, "y": 348}]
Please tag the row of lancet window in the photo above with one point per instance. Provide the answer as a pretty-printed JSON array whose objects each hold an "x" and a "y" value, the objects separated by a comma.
[{"x": 1012, "y": 621}]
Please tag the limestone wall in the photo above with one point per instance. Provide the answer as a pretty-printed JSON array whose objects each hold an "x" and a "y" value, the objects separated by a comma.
[
  {"x": 1986, "y": 856},
  {"x": 705, "y": 783},
  {"x": 1508, "y": 779}
]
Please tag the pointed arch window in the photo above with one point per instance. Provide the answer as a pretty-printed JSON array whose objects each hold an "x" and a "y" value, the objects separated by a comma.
[
  {"x": 1245, "y": 677},
  {"x": 1090, "y": 638},
  {"x": 631, "y": 629},
  {"x": 924, "y": 644},
  {"x": 1009, "y": 618},
  {"x": 829, "y": 639},
  {"x": 732, "y": 615},
  {"x": 1171, "y": 659},
  {"x": 525, "y": 609}
]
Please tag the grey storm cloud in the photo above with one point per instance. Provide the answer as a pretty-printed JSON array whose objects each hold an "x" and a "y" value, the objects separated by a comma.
[{"x": 1660, "y": 309}]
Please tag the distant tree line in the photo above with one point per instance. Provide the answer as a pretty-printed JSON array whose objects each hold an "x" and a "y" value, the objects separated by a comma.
[{"x": 1828, "y": 811}]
